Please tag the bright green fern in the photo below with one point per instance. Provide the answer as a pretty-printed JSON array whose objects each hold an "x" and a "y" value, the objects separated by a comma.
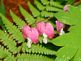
[{"x": 13, "y": 46}]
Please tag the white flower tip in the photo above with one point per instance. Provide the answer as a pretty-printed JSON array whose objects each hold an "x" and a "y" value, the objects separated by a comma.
[
  {"x": 61, "y": 32},
  {"x": 45, "y": 38},
  {"x": 29, "y": 43}
]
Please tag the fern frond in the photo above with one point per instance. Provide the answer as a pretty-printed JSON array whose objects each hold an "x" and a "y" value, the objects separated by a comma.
[
  {"x": 33, "y": 57},
  {"x": 38, "y": 49},
  {"x": 10, "y": 58},
  {"x": 45, "y": 2},
  {"x": 29, "y": 19},
  {"x": 12, "y": 29},
  {"x": 19, "y": 22},
  {"x": 55, "y": 4},
  {"x": 34, "y": 11},
  {"x": 8, "y": 41},
  {"x": 50, "y": 8},
  {"x": 39, "y": 5},
  {"x": 47, "y": 14},
  {"x": 3, "y": 52}
]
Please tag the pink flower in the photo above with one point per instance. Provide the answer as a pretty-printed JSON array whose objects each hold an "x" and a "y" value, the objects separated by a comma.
[
  {"x": 31, "y": 34},
  {"x": 66, "y": 8},
  {"x": 59, "y": 27},
  {"x": 45, "y": 29}
]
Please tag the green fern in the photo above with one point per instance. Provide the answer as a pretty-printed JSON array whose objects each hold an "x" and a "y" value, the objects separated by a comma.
[
  {"x": 50, "y": 8},
  {"x": 14, "y": 42},
  {"x": 10, "y": 58},
  {"x": 46, "y": 10},
  {"x": 45, "y": 2},
  {"x": 3, "y": 52},
  {"x": 47, "y": 14},
  {"x": 8, "y": 41},
  {"x": 3, "y": 11},
  {"x": 19, "y": 22},
  {"x": 71, "y": 41},
  {"x": 56, "y": 4},
  {"x": 38, "y": 49},
  {"x": 39, "y": 5},
  {"x": 12, "y": 29},
  {"x": 32, "y": 57},
  {"x": 29, "y": 19},
  {"x": 34, "y": 11}
]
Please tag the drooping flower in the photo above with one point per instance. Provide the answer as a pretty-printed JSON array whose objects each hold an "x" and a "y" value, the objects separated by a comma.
[
  {"x": 59, "y": 27},
  {"x": 66, "y": 8},
  {"x": 45, "y": 29},
  {"x": 31, "y": 34}
]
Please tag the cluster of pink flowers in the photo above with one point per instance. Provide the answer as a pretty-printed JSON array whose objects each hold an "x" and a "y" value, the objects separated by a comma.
[{"x": 42, "y": 28}]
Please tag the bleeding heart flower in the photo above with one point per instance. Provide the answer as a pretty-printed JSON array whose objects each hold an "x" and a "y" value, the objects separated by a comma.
[
  {"x": 66, "y": 8},
  {"x": 59, "y": 27},
  {"x": 45, "y": 29},
  {"x": 31, "y": 34}
]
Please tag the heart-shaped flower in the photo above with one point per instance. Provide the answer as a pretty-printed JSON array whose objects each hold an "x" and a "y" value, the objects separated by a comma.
[
  {"x": 45, "y": 29},
  {"x": 31, "y": 34},
  {"x": 59, "y": 27},
  {"x": 66, "y": 8}
]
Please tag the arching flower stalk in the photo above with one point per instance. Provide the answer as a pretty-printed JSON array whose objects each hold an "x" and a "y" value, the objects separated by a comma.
[
  {"x": 31, "y": 34},
  {"x": 45, "y": 29}
]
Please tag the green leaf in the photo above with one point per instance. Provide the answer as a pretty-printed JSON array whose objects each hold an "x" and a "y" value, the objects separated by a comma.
[
  {"x": 50, "y": 8},
  {"x": 39, "y": 49},
  {"x": 19, "y": 22},
  {"x": 66, "y": 53},
  {"x": 70, "y": 42},
  {"x": 56, "y": 4},
  {"x": 29, "y": 19},
  {"x": 10, "y": 58},
  {"x": 10, "y": 43},
  {"x": 47, "y": 14},
  {"x": 72, "y": 17},
  {"x": 34, "y": 11},
  {"x": 39, "y": 5},
  {"x": 3, "y": 52},
  {"x": 2, "y": 8},
  {"x": 12, "y": 29},
  {"x": 70, "y": 1},
  {"x": 32, "y": 57},
  {"x": 45, "y": 2},
  {"x": 3, "y": 11}
]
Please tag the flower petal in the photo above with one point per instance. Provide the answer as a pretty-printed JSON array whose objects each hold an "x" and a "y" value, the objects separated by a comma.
[{"x": 49, "y": 30}]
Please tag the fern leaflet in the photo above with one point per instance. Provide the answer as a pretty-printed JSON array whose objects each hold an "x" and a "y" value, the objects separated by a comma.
[
  {"x": 32, "y": 57},
  {"x": 39, "y": 5},
  {"x": 3, "y": 52},
  {"x": 12, "y": 29},
  {"x": 47, "y": 14},
  {"x": 50, "y": 8},
  {"x": 19, "y": 22},
  {"x": 38, "y": 49},
  {"x": 29, "y": 19},
  {"x": 55, "y": 4},
  {"x": 45, "y": 2},
  {"x": 34, "y": 11}
]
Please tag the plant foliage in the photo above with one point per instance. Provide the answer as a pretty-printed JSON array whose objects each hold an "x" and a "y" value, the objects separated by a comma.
[
  {"x": 12, "y": 44},
  {"x": 70, "y": 42},
  {"x": 66, "y": 47}
]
